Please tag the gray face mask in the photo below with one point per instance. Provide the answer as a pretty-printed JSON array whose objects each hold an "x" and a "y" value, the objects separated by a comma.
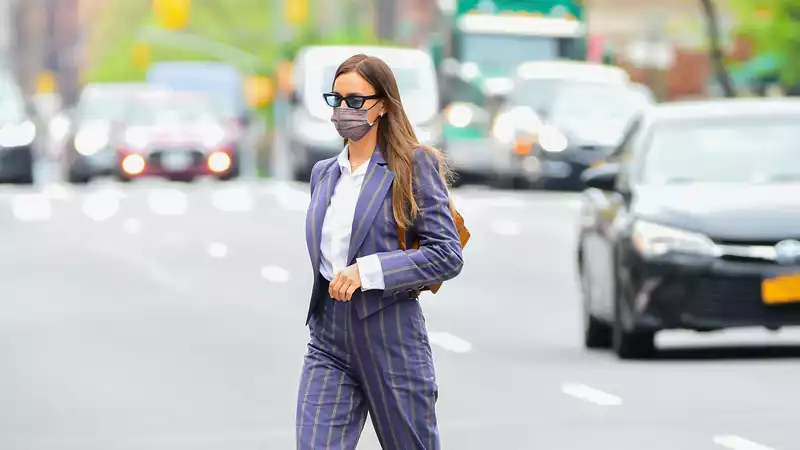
[{"x": 352, "y": 124}]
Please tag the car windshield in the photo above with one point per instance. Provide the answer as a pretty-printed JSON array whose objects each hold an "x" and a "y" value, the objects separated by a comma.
[
  {"x": 172, "y": 112},
  {"x": 106, "y": 106},
  {"x": 592, "y": 106},
  {"x": 12, "y": 106},
  {"x": 542, "y": 94},
  {"x": 482, "y": 49},
  {"x": 741, "y": 150}
]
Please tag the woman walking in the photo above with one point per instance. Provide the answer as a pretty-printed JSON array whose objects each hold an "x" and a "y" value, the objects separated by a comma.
[{"x": 368, "y": 349}]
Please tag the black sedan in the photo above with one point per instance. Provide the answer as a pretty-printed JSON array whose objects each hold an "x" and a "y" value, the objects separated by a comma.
[
  {"x": 694, "y": 223},
  {"x": 18, "y": 133},
  {"x": 584, "y": 125}
]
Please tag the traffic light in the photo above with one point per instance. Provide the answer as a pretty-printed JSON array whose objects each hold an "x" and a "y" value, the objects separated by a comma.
[
  {"x": 296, "y": 11},
  {"x": 172, "y": 14},
  {"x": 260, "y": 90}
]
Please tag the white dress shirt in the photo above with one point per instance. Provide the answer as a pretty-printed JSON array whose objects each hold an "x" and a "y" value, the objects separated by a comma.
[{"x": 338, "y": 225}]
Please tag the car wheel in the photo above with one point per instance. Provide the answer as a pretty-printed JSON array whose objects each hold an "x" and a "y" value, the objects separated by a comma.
[
  {"x": 75, "y": 178},
  {"x": 596, "y": 334},
  {"x": 630, "y": 344},
  {"x": 302, "y": 174}
]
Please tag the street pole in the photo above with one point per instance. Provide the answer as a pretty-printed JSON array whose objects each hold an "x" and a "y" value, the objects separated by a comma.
[{"x": 278, "y": 161}]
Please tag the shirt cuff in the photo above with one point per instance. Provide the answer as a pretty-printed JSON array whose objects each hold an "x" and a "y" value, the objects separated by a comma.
[{"x": 371, "y": 271}]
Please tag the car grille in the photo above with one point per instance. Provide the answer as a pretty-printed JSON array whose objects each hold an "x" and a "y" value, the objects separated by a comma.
[
  {"x": 734, "y": 300},
  {"x": 155, "y": 156}
]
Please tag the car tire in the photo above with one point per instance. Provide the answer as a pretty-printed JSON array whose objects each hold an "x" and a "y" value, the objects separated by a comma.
[
  {"x": 75, "y": 178},
  {"x": 630, "y": 344},
  {"x": 596, "y": 333},
  {"x": 302, "y": 174}
]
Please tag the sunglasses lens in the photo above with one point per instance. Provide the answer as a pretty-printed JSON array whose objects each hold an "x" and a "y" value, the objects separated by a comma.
[
  {"x": 355, "y": 102},
  {"x": 333, "y": 100}
]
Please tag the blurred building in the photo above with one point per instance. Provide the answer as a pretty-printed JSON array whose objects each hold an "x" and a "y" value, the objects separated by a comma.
[{"x": 676, "y": 26}]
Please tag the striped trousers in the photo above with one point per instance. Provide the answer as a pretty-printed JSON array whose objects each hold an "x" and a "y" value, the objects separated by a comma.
[{"x": 381, "y": 366}]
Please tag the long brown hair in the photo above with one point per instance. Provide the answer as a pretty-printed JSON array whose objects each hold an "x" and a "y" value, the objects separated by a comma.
[{"x": 396, "y": 136}]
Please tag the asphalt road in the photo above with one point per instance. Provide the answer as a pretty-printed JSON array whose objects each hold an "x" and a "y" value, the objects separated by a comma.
[{"x": 158, "y": 316}]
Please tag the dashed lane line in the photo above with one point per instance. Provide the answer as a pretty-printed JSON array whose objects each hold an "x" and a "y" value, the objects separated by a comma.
[
  {"x": 506, "y": 227},
  {"x": 275, "y": 274},
  {"x": 31, "y": 207},
  {"x": 590, "y": 394},
  {"x": 734, "y": 442},
  {"x": 449, "y": 342},
  {"x": 217, "y": 250}
]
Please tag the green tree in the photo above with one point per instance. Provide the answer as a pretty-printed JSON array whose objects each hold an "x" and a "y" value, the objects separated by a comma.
[{"x": 773, "y": 27}]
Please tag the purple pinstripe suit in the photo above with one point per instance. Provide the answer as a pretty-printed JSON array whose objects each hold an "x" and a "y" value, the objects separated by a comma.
[{"x": 372, "y": 354}]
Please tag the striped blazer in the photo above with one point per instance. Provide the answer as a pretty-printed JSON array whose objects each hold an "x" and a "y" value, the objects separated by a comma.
[{"x": 374, "y": 231}]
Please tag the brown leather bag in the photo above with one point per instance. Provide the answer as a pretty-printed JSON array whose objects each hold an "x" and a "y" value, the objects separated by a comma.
[{"x": 463, "y": 236}]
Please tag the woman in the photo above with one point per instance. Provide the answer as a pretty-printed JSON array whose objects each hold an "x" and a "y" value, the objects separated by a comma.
[{"x": 369, "y": 349}]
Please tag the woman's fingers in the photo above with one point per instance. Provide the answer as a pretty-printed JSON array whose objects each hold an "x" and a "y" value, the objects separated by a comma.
[{"x": 350, "y": 290}]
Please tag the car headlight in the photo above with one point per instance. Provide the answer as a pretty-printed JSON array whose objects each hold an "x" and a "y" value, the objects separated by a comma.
[
  {"x": 651, "y": 239},
  {"x": 519, "y": 119},
  {"x": 503, "y": 129},
  {"x": 552, "y": 140},
  {"x": 17, "y": 135},
  {"x": 90, "y": 141},
  {"x": 460, "y": 115}
]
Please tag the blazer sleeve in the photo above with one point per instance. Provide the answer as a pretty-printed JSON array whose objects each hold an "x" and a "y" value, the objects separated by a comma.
[{"x": 438, "y": 257}]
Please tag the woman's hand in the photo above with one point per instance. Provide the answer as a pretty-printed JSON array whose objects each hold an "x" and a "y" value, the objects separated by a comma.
[{"x": 345, "y": 284}]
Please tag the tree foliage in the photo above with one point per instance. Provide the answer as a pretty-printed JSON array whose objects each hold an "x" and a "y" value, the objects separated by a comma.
[
  {"x": 773, "y": 27},
  {"x": 244, "y": 24}
]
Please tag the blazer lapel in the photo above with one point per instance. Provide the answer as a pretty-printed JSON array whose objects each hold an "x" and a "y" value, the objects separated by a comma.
[
  {"x": 375, "y": 188},
  {"x": 319, "y": 206}
]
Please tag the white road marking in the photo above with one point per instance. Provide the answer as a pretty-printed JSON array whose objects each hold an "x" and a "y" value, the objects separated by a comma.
[
  {"x": 56, "y": 191},
  {"x": 589, "y": 394},
  {"x": 233, "y": 199},
  {"x": 132, "y": 226},
  {"x": 31, "y": 207},
  {"x": 275, "y": 274},
  {"x": 101, "y": 205},
  {"x": 506, "y": 227},
  {"x": 168, "y": 202},
  {"x": 290, "y": 196},
  {"x": 734, "y": 442},
  {"x": 217, "y": 250},
  {"x": 506, "y": 202},
  {"x": 449, "y": 342}
]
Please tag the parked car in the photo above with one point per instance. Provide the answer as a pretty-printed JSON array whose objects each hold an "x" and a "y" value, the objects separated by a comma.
[{"x": 18, "y": 133}]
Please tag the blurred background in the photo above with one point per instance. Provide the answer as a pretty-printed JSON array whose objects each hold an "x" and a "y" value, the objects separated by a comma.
[{"x": 154, "y": 159}]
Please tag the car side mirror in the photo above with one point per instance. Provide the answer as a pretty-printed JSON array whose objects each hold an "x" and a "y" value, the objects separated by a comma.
[{"x": 603, "y": 177}]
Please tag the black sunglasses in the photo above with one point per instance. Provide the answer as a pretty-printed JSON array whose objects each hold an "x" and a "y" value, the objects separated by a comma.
[{"x": 334, "y": 100}]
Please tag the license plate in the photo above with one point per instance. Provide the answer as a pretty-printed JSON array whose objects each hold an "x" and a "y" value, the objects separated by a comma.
[
  {"x": 781, "y": 289},
  {"x": 175, "y": 161}
]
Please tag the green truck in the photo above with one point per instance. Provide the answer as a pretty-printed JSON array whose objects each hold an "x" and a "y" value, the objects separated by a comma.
[
  {"x": 478, "y": 46},
  {"x": 479, "y": 43}
]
